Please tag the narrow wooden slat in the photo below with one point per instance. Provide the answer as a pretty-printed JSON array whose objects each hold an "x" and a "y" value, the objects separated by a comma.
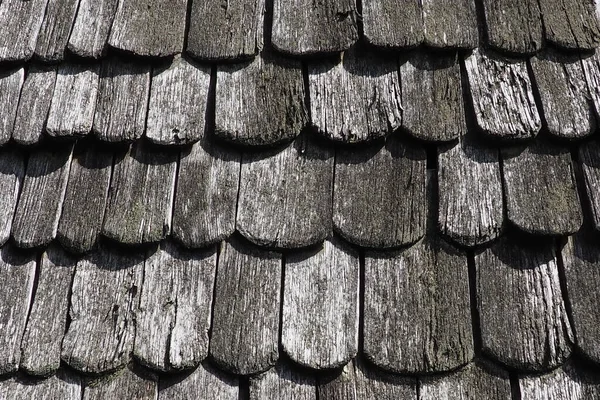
[
  {"x": 394, "y": 25},
  {"x": 91, "y": 28},
  {"x": 450, "y": 24},
  {"x": 54, "y": 32},
  {"x": 20, "y": 23},
  {"x": 12, "y": 171},
  {"x": 571, "y": 24},
  {"x": 589, "y": 156},
  {"x": 11, "y": 81},
  {"x": 568, "y": 382},
  {"x": 246, "y": 310},
  {"x": 124, "y": 384},
  {"x": 205, "y": 382},
  {"x": 282, "y": 382},
  {"x": 62, "y": 386}
]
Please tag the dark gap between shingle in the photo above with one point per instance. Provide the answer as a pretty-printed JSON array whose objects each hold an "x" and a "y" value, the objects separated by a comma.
[
  {"x": 281, "y": 299},
  {"x": 475, "y": 319},
  {"x": 243, "y": 388},
  {"x": 361, "y": 301},
  {"x": 481, "y": 23},
  {"x": 174, "y": 198},
  {"x": 219, "y": 248},
  {"x": 537, "y": 96},
  {"x": 186, "y": 29},
  {"x": 359, "y": 19},
  {"x": 515, "y": 391},
  {"x": 562, "y": 277},
  {"x": 304, "y": 68},
  {"x": 36, "y": 281}
]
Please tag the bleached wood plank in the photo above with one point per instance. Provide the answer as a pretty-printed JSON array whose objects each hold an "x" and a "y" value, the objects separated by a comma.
[
  {"x": 11, "y": 81},
  {"x": 282, "y": 382},
  {"x": 63, "y": 386},
  {"x": 20, "y": 23},
  {"x": 124, "y": 384},
  {"x": 567, "y": 382},
  {"x": 54, "y": 32},
  {"x": 450, "y": 24},
  {"x": 91, "y": 28},
  {"x": 204, "y": 383}
]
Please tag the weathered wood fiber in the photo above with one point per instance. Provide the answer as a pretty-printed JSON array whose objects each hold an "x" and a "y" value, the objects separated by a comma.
[
  {"x": 571, "y": 24},
  {"x": 245, "y": 329},
  {"x": 140, "y": 197},
  {"x": 85, "y": 198},
  {"x": 432, "y": 95},
  {"x": 502, "y": 97},
  {"x": 12, "y": 171},
  {"x": 450, "y": 24},
  {"x": 40, "y": 203},
  {"x": 204, "y": 383},
  {"x": 392, "y": 25},
  {"x": 357, "y": 99},
  {"x": 41, "y": 344},
  {"x": 281, "y": 382},
  {"x": 123, "y": 92},
  {"x": 261, "y": 103},
  {"x": 239, "y": 21},
  {"x": 306, "y": 27},
  {"x": 388, "y": 180},
  {"x": 513, "y": 26},
  {"x": 123, "y": 384},
  {"x": 91, "y": 28},
  {"x": 74, "y": 100},
  {"x": 591, "y": 70},
  {"x": 372, "y": 383},
  {"x": 567, "y": 109},
  {"x": 20, "y": 23},
  {"x": 567, "y": 382},
  {"x": 523, "y": 319},
  {"x": 320, "y": 306},
  {"x": 34, "y": 104},
  {"x": 175, "y": 308},
  {"x": 540, "y": 190},
  {"x": 104, "y": 300},
  {"x": 178, "y": 102},
  {"x": 285, "y": 195},
  {"x": 471, "y": 207},
  {"x": 589, "y": 156},
  {"x": 148, "y": 27},
  {"x": 56, "y": 387},
  {"x": 17, "y": 273},
  {"x": 11, "y": 81},
  {"x": 481, "y": 380},
  {"x": 207, "y": 193},
  {"x": 54, "y": 32}
]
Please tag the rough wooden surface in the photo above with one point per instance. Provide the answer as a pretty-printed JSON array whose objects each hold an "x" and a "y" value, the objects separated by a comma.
[
  {"x": 56, "y": 387},
  {"x": 41, "y": 344},
  {"x": 17, "y": 274},
  {"x": 567, "y": 109},
  {"x": 293, "y": 206},
  {"x": 260, "y": 103},
  {"x": 91, "y": 28},
  {"x": 245, "y": 329},
  {"x": 568, "y": 382},
  {"x": 20, "y": 23},
  {"x": 432, "y": 95},
  {"x": 450, "y": 24},
  {"x": 589, "y": 156},
  {"x": 104, "y": 299},
  {"x": 502, "y": 97},
  {"x": 306, "y": 27},
  {"x": 320, "y": 306},
  {"x": 471, "y": 208},
  {"x": 207, "y": 193},
  {"x": 11, "y": 81},
  {"x": 571, "y": 24},
  {"x": 54, "y": 32},
  {"x": 540, "y": 190},
  {"x": 241, "y": 22},
  {"x": 149, "y": 28},
  {"x": 391, "y": 25},
  {"x": 591, "y": 70},
  {"x": 41, "y": 199},
  {"x": 357, "y": 99},
  {"x": 123, "y": 384},
  {"x": 388, "y": 179},
  {"x": 74, "y": 100},
  {"x": 140, "y": 197},
  {"x": 34, "y": 104},
  {"x": 282, "y": 382},
  {"x": 175, "y": 308},
  {"x": 12, "y": 171},
  {"x": 123, "y": 92},
  {"x": 177, "y": 106},
  {"x": 205, "y": 382},
  {"x": 523, "y": 319},
  {"x": 513, "y": 26}
]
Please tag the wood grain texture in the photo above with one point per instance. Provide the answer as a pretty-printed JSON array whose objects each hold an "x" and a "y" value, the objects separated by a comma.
[
  {"x": 357, "y": 98},
  {"x": 204, "y": 383},
  {"x": 177, "y": 106},
  {"x": 568, "y": 111},
  {"x": 471, "y": 207},
  {"x": 34, "y": 104},
  {"x": 74, "y": 100},
  {"x": 149, "y": 28},
  {"x": 20, "y": 23},
  {"x": 54, "y": 32},
  {"x": 502, "y": 96},
  {"x": 540, "y": 190},
  {"x": 260, "y": 103},
  {"x": 11, "y": 81},
  {"x": 175, "y": 308},
  {"x": 320, "y": 306},
  {"x": 62, "y": 386},
  {"x": 513, "y": 26},
  {"x": 104, "y": 300},
  {"x": 432, "y": 95},
  {"x": 41, "y": 344},
  {"x": 567, "y": 382},
  {"x": 591, "y": 70},
  {"x": 123, "y": 92},
  {"x": 12, "y": 171},
  {"x": 124, "y": 384},
  {"x": 245, "y": 329},
  {"x": 589, "y": 157},
  {"x": 17, "y": 272},
  {"x": 91, "y": 27},
  {"x": 523, "y": 320},
  {"x": 293, "y": 206},
  {"x": 206, "y": 195},
  {"x": 281, "y": 382},
  {"x": 85, "y": 197},
  {"x": 241, "y": 22},
  {"x": 450, "y": 24},
  {"x": 41, "y": 199},
  {"x": 140, "y": 197},
  {"x": 571, "y": 24},
  {"x": 393, "y": 25},
  {"x": 388, "y": 180},
  {"x": 308, "y": 28}
]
